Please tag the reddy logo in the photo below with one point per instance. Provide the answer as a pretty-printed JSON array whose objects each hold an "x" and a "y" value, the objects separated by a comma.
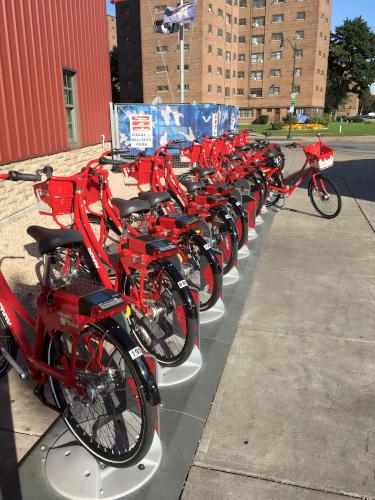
[
  {"x": 93, "y": 258},
  {"x": 4, "y": 313}
]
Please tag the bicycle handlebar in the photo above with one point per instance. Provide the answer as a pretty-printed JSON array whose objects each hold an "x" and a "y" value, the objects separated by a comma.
[
  {"x": 13, "y": 175},
  {"x": 108, "y": 161},
  {"x": 119, "y": 151}
]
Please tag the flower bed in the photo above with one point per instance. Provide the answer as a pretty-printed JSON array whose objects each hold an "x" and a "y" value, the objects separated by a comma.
[{"x": 306, "y": 126}]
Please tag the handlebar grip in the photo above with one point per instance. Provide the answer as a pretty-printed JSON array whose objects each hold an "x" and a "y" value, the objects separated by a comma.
[
  {"x": 179, "y": 141},
  {"x": 116, "y": 169},
  {"x": 119, "y": 151},
  {"x": 108, "y": 161},
  {"x": 47, "y": 170},
  {"x": 291, "y": 145},
  {"x": 19, "y": 176}
]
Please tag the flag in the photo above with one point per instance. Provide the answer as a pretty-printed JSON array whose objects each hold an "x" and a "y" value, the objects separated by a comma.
[
  {"x": 181, "y": 14},
  {"x": 165, "y": 29}
]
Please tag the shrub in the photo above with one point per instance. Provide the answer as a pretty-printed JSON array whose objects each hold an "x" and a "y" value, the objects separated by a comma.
[
  {"x": 277, "y": 125},
  {"x": 320, "y": 119},
  {"x": 294, "y": 119},
  {"x": 263, "y": 119}
]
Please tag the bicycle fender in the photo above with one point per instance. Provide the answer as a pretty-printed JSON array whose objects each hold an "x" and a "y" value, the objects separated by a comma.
[
  {"x": 119, "y": 327},
  {"x": 238, "y": 209},
  {"x": 232, "y": 228}
]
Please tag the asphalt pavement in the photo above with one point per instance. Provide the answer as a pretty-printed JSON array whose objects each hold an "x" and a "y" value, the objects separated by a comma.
[{"x": 294, "y": 413}]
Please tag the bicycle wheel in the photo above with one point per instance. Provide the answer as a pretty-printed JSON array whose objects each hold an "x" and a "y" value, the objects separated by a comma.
[
  {"x": 239, "y": 213},
  {"x": 169, "y": 327},
  {"x": 257, "y": 185},
  {"x": 106, "y": 410},
  {"x": 8, "y": 343},
  {"x": 224, "y": 237},
  {"x": 325, "y": 197},
  {"x": 274, "y": 196},
  {"x": 201, "y": 263}
]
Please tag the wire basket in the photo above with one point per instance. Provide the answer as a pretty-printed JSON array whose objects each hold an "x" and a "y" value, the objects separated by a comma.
[{"x": 319, "y": 155}]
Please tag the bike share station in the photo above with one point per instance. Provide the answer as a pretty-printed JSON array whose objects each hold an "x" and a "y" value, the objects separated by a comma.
[{"x": 57, "y": 466}]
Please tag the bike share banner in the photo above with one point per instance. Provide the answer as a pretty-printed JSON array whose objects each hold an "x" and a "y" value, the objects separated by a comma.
[{"x": 146, "y": 127}]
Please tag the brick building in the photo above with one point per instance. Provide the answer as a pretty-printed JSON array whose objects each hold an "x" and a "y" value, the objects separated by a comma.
[
  {"x": 55, "y": 89},
  {"x": 232, "y": 54},
  {"x": 112, "y": 32}
]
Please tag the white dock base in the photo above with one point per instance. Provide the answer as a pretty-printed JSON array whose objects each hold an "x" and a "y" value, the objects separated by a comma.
[
  {"x": 174, "y": 375},
  {"x": 231, "y": 277},
  {"x": 259, "y": 220},
  {"x": 264, "y": 210},
  {"x": 252, "y": 234},
  {"x": 243, "y": 253},
  {"x": 75, "y": 474},
  {"x": 213, "y": 314}
]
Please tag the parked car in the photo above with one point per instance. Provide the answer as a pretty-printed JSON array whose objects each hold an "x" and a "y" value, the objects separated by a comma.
[{"x": 368, "y": 118}]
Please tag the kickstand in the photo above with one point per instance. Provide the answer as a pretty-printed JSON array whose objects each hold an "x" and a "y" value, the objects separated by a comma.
[{"x": 39, "y": 393}]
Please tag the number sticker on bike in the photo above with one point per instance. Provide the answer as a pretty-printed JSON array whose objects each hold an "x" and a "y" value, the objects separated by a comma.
[
  {"x": 136, "y": 352},
  {"x": 228, "y": 216},
  {"x": 207, "y": 246},
  {"x": 238, "y": 204},
  {"x": 182, "y": 283}
]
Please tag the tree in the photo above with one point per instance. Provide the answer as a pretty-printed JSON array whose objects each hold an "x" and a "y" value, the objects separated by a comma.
[
  {"x": 367, "y": 103},
  {"x": 351, "y": 62},
  {"x": 115, "y": 75}
]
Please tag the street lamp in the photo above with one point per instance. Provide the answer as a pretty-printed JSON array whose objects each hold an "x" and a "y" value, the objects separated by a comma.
[{"x": 294, "y": 48}]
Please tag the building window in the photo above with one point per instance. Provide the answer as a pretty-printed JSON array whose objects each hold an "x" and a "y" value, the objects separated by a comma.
[
  {"x": 256, "y": 75},
  {"x": 209, "y": 88},
  {"x": 220, "y": 32},
  {"x": 162, "y": 88},
  {"x": 219, "y": 89},
  {"x": 274, "y": 90},
  {"x": 186, "y": 46},
  {"x": 242, "y": 21},
  {"x": 219, "y": 51},
  {"x": 227, "y": 74},
  {"x": 220, "y": 13},
  {"x": 159, "y": 8},
  {"x": 209, "y": 29},
  {"x": 210, "y": 8},
  {"x": 162, "y": 68},
  {"x": 297, "y": 71},
  {"x": 300, "y": 111},
  {"x": 257, "y": 58},
  {"x": 241, "y": 57},
  {"x": 241, "y": 39},
  {"x": 256, "y": 93},
  {"x": 257, "y": 40},
  {"x": 219, "y": 71},
  {"x": 278, "y": 18},
  {"x": 242, "y": 3},
  {"x": 209, "y": 68},
  {"x": 300, "y": 35},
  {"x": 300, "y": 16},
  {"x": 299, "y": 53},
  {"x": 275, "y": 73},
  {"x": 240, "y": 92},
  {"x": 228, "y": 56},
  {"x": 229, "y": 19},
  {"x": 296, "y": 89},
  {"x": 209, "y": 49},
  {"x": 258, "y": 22},
  {"x": 277, "y": 54},
  {"x": 240, "y": 74},
  {"x": 227, "y": 92},
  {"x": 278, "y": 1},
  {"x": 246, "y": 113},
  {"x": 186, "y": 67},
  {"x": 162, "y": 48},
  {"x": 228, "y": 38},
  {"x": 186, "y": 86},
  {"x": 277, "y": 36},
  {"x": 258, "y": 4},
  {"x": 70, "y": 100}
]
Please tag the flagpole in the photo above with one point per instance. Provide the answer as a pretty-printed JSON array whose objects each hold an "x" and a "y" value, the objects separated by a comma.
[{"x": 182, "y": 59}]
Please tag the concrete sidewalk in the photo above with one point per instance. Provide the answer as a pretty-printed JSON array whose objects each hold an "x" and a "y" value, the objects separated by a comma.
[{"x": 294, "y": 414}]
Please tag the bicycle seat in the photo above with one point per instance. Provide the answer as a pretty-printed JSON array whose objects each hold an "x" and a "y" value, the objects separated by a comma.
[
  {"x": 154, "y": 198},
  {"x": 234, "y": 157},
  {"x": 192, "y": 185},
  {"x": 202, "y": 172},
  {"x": 50, "y": 239},
  {"x": 247, "y": 147},
  {"x": 128, "y": 207}
]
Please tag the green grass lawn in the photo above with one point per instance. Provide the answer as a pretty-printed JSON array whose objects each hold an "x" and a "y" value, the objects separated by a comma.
[{"x": 348, "y": 129}]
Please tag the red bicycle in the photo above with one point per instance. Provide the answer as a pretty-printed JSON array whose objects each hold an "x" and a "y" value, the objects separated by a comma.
[
  {"x": 164, "y": 315},
  {"x": 323, "y": 193},
  {"x": 99, "y": 378}
]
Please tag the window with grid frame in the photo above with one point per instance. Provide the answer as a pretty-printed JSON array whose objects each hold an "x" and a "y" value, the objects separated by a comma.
[{"x": 70, "y": 100}]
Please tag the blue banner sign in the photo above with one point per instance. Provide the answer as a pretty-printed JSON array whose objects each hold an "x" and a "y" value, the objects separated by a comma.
[{"x": 146, "y": 127}]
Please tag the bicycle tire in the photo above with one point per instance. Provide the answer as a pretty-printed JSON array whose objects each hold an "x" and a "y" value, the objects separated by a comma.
[
  {"x": 324, "y": 182},
  {"x": 224, "y": 225},
  {"x": 140, "y": 413},
  {"x": 212, "y": 267},
  {"x": 275, "y": 180},
  {"x": 241, "y": 215},
  {"x": 8, "y": 343},
  {"x": 175, "y": 346}
]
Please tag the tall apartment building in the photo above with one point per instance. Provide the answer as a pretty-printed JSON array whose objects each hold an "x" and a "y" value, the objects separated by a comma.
[
  {"x": 112, "y": 32},
  {"x": 233, "y": 54}
]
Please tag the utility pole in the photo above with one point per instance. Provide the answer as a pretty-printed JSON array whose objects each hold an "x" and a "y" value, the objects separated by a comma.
[
  {"x": 294, "y": 48},
  {"x": 182, "y": 59}
]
